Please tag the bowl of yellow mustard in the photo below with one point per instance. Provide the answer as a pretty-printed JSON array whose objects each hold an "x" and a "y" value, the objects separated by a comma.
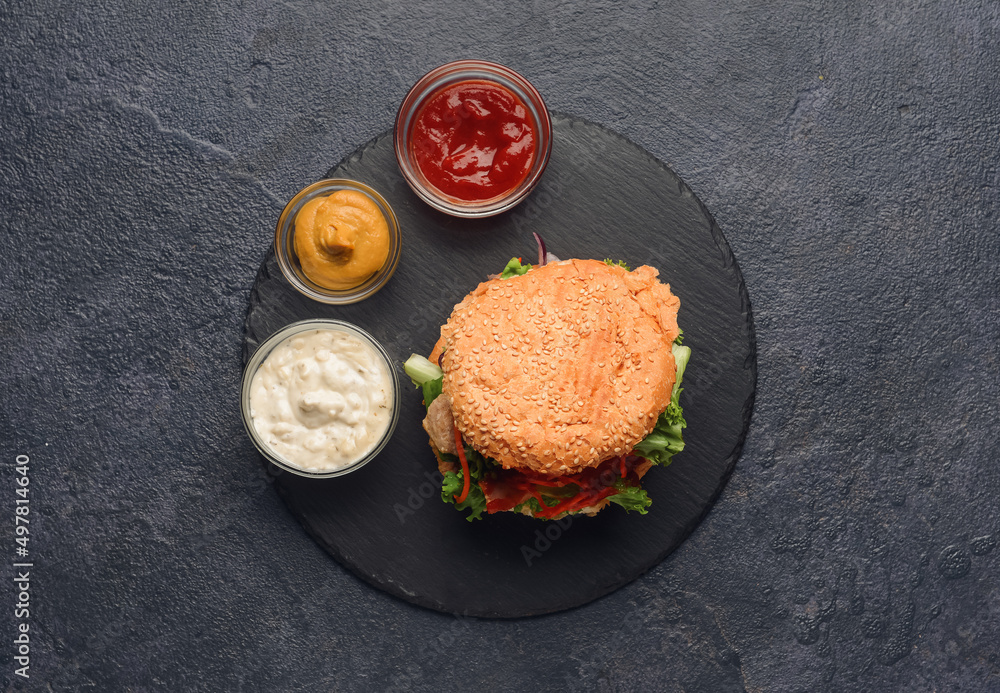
[{"x": 337, "y": 241}]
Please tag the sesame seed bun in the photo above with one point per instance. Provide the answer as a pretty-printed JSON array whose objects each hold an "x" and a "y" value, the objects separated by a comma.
[{"x": 563, "y": 367}]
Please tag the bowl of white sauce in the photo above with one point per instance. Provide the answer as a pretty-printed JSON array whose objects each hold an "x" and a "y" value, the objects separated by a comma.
[{"x": 320, "y": 398}]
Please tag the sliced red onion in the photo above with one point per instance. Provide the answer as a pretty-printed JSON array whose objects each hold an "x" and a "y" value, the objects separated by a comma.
[{"x": 542, "y": 255}]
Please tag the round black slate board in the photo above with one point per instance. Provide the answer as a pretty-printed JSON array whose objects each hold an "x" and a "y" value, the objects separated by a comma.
[{"x": 601, "y": 197}]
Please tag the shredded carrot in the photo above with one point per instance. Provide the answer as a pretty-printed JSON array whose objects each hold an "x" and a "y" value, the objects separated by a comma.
[
  {"x": 578, "y": 502},
  {"x": 465, "y": 466},
  {"x": 542, "y": 482},
  {"x": 536, "y": 495},
  {"x": 557, "y": 509}
]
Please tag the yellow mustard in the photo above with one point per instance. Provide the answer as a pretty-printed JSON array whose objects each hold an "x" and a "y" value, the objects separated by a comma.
[{"x": 341, "y": 240}]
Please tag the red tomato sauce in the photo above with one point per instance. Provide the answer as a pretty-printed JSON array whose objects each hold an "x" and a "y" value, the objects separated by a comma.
[{"x": 474, "y": 140}]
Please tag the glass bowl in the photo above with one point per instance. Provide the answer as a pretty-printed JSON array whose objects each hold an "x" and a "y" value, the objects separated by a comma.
[
  {"x": 445, "y": 76},
  {"x": 288, "y": 261},
  {"x": 278, "y": 338}
]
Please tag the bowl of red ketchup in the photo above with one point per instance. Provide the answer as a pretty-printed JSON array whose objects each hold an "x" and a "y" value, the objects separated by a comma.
[{"x": 472, "y": 138}]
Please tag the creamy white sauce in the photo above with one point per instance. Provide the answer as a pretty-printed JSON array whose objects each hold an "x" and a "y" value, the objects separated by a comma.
[{"x": 322, "y": 399}]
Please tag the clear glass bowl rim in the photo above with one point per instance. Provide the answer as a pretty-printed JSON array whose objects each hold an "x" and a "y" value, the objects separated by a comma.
[
  {"x": 264, "y": 350},
  {"x": 284, "y": 251},
  {"x": 459, "y": 71}
]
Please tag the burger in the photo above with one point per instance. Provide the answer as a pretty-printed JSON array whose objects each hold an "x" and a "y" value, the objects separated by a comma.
[{"x": 554, "y": 389}]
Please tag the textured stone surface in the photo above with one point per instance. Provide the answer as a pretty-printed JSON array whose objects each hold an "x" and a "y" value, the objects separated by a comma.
[{"x": 848, "y": 152}]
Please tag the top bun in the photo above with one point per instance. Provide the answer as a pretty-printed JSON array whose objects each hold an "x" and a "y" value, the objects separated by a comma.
[{"x": 563, "y": 367}]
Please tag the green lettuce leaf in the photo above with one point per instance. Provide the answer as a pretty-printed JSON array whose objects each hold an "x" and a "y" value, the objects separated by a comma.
[
  {"x": 451, "y": 486},
  {"x": 432, "y": 388},
  {"x": 426, "y": 375},
  {"x": 531, "y": 503},
  {"x": 535, "y": 506},
  {"x": 666, "y": 439},
  {"x": 630, "y": 497},
  {"x": 514, "y": 268},
  {"x": 475, "y": 502}
]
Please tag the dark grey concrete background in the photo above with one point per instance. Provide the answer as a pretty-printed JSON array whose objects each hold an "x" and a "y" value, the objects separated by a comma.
[{"x": 848, "y": 152}]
